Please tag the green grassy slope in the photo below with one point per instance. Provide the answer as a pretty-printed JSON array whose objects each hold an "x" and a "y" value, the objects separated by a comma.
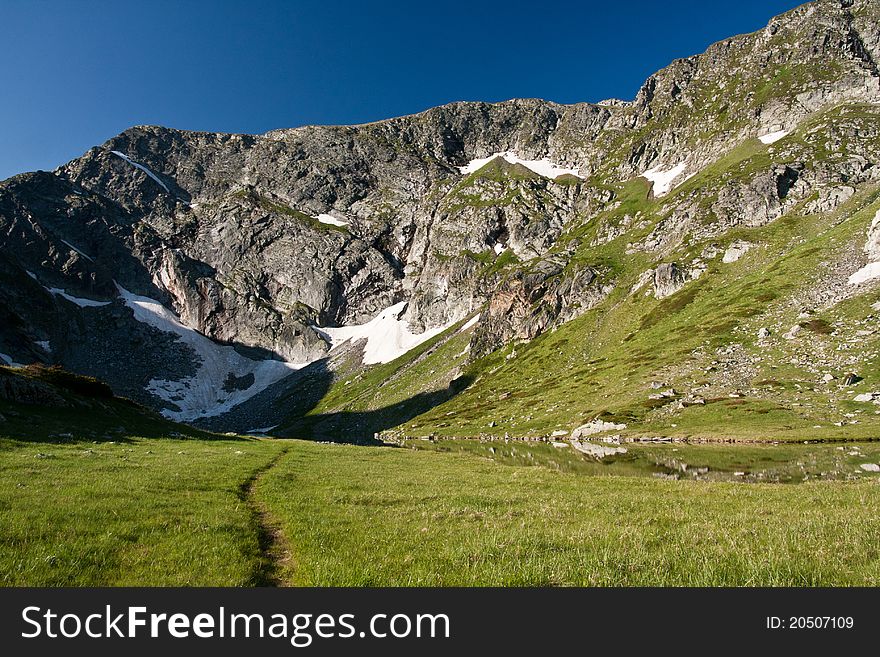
[
  {"x": 96, "y": 490},
  {"x": 602, "y": 364},
  {"x": 82, "y": 408},
  {"x": 134, "y": 512},
  {"x": 152, "y": 507},
  {"x": 383, "y": 516}
]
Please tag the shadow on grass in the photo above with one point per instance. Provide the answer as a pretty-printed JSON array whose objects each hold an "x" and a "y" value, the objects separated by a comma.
[
  {"x": 48, "y": 405},
  {"x": 361, "y": 426}
]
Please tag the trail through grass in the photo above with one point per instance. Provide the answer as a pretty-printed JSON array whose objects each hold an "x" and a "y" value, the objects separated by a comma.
[
  {"x": 164, "y": 512},
  {"x": 240, "y": 512},
  {"x": 359, "y": 516}
]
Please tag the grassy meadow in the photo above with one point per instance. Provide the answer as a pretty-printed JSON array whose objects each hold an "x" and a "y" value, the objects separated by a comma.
[
  {"x": 407, "y": 517},
  {"x": 98, "y": 491},
  {"x": 135, "y": 511},
  {"x": 196, "y": 511}
]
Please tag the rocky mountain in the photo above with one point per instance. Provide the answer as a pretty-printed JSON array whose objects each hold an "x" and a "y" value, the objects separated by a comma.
[{"x": 699, "y": 260}]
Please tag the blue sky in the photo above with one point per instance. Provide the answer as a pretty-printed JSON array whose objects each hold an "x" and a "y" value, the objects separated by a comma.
[{"x": 75, "y": 73}]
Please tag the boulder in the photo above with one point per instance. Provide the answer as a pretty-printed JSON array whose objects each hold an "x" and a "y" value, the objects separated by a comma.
[
  {"x": 872, "y": 245},
  {"x": 735, "y": 251},
  {"x": 594, "y": 427},
  {"x": 668, "y": 279}
]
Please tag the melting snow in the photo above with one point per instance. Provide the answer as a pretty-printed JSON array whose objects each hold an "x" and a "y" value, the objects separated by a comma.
[
  {"x": 262, "y": 431},
  {"x": 388, "y": 337},
  {"x": 8, "y": 360},
  {"x": 471, "y": 322},
  {"x": 142, "y": 168},
  {"x": 662, "y": 179},
  {"x": 867, "y": 273},
  {"x": 773, "y": 137},
  {"x": 543, "y": 167},
  {"x": 82, "y": 303},
  {"x": 202, "y": 395},
  {"x": 75, "y": 249},
  {"x": 325, "y": 218}
]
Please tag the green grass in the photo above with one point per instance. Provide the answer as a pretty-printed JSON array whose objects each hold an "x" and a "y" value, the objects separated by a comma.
[
  {"x": 270, "y": 205},
  {"x": 383, "y": 516},
  {"x": 602, "y": 363},
  {"x": 102, "y": 504},
  {"x": 500, "y": 170},
  {"x": 161, "y": 512}
]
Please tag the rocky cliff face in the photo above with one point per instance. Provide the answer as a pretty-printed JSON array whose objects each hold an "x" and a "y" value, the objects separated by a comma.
[{"x": 526, "y": 213}]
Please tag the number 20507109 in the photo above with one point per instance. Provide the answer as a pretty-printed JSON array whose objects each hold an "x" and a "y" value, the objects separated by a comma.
[{"x": 810, "y": 623}]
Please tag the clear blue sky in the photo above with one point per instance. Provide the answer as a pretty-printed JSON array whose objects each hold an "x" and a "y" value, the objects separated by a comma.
[{"x": 75, "y": 73}]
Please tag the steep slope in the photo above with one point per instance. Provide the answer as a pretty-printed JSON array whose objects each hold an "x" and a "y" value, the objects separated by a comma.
[
  {"x": 52, "y": 405},
  {"x": 552, "y": 261}
]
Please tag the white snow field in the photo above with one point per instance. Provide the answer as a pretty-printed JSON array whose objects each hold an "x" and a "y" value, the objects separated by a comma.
[
  {"x": 263, "y": 431},
  {"x": 662, "y": 178},
  {"x": 773, "y": 137},
  {"x": 387, "y": 336},
  {"x": 872, "y": 247},
  {"x": 202, "y": 395},
  {"x": 325, "y": 218},
  {"x": 543, "y": 167},
  {"x": 82, "y": 303},
  {"x": 142, "y": 168},
  {"x": 471, "y": 322}
]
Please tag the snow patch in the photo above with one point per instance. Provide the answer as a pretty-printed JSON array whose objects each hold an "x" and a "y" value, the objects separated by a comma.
[
  {"x": 387, "y": 335},
  {"x": 44, "y": 345},
  {"x": 142, "y": 168},
  {"x": 773, "y": 137},
  {"x": 867, "y": 273},
  {"x": 7, "y": 359},
  {"x": 662, "y": 178},
  {"x": 263, "y": 431},
  {"x": 202, "y": 395},
  {"x": 75, "y": 249},
  {"x": 499, "y": 248},
  {"x": 325, "y": 218},
  {"x": 82, "y": 303},
  {"x": 472, "y": 322},
  {"x": 543, "y": 167}
]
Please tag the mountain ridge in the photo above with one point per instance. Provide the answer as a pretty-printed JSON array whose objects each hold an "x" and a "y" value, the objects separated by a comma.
[{"x": 256, "y": 241}]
